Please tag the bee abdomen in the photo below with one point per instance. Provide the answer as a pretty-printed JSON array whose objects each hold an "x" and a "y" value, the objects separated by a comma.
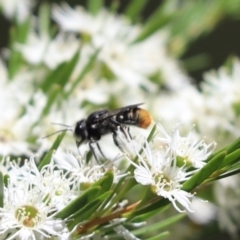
[{"x": 144, "y": 118}]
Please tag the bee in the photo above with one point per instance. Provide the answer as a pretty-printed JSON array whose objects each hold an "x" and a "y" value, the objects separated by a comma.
[{"x": 103, "y": 122}]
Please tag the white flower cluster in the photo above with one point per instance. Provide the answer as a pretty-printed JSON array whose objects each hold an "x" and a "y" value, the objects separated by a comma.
[
  {"x": 214, "y": 110},
  {"x": 33, "y": 197},
  {"x": 123, "y": 58},
  {"x": 17, "y": 115},
  {"x": 121, "y": 73},
  {"x": 166, "y": 165},
  {"x": 17, "y": 10},
  {"x": 221, "y": 90}
]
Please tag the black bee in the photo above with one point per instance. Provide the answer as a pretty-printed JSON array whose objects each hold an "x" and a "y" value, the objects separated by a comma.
[{"x": 100, "y": 123}]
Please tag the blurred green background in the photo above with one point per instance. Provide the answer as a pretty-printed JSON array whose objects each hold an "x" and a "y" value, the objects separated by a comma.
[{"x": 217, "y": 45}]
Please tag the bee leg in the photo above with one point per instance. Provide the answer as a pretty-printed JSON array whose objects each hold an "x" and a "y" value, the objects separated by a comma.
[
  {"x": 126, "y": 132},
  {"x": 129, "y": 134},
  {"x": 78, "y": 144},
  {"x": 100, "y": 150},
  {"x": 117, "y": 126},
  {"x": 116, "y": 141},
  {"x": 93, "y": 151}
]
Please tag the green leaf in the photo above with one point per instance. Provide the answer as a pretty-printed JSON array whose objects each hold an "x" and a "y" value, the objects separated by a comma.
[
  {"x": 134, "y": 8},
  {"x": 234, "y": 146},
  {"x": 197, "y": 62},
  {"x": 46, "y": 160},
  {"x": 58, "y": 141},
  {"x": 44, "y": 18},
  {"x": 1, "y": 190},
  {"x": 18, "y": 34},
  {"x": 89, "y": 209},
  {"x": 192, "y": 19},
  {"x": 94, "y": 6},
  {"x": 125, "y": 187},
  {"x": 85, "y": 70},
  {"x": 105, "y": 182},
  {"x": 88, "y": 206},
  {"x": 159, "y": 236},
  {"x": 6, "y": 179},
  {"x": 22, "y": 30},
  {"x": 228, "y": 174},
  {"x": 85, "y": 198},
  {"x": 85, "y": 212},
  {"x": 230, "y": 148},
  {"x": 151, "y": 134},
  {"x": 114, "y": 6},
  {"x": 53, "y": 93},
  {"x": 156, "y": 21},
  {"x": 145, "y": 216},
  {"x": 231, "y": 158},
  {"x": 159, "y": 225},
  {"x": 147, "y": 197},
  {"x": 156, "y": 237},
  {"x": 202, "y": 175},
  {"x": 61, "y": 74},
  {"x": 157, "y": 205}
]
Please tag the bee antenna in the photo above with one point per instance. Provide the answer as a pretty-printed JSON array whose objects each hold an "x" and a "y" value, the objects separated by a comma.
[
  {"x": 62, "y": 130},
  {"x": 61, "y": 124}
]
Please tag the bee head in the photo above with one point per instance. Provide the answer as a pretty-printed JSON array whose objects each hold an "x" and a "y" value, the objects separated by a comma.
[{"x": 80, "y": 132}]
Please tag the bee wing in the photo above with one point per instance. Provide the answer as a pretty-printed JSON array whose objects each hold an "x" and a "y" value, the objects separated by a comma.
[{"x": 111, "y": 113}]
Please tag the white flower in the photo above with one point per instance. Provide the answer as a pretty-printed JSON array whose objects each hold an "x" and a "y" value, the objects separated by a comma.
[
  {"x": 96, "y": 91},
  {"x": 61, "y": 49},
  {"x": 83, "y": 173},
  {"x": 16, "y": 131},
  {"x": 186, "y": 105},
  {"x": 189, "y": 150},
  {"x": 58, "y": 185},
  {"x": 17, "y": 114},
  {"x": 34, "y": 49},
  {"x": 222, "y": 92},
  {"x": 204, "y": 211},
  {"x": 41, "y": 49},
  {"x": 77, "y": 20},
  {"x": 128, "y": 144},
  {"x": 17, "y": 9},
  {"x": 158, "y": 169},
  {"x": 132, "y": 63},
  {"x": 224, "y": 84},
  {"x": 113, "y": 35},
  {"x": 9, "y": 168},
  {"x": 26, "y": 214},
  {"x": 226, "y": 193}
]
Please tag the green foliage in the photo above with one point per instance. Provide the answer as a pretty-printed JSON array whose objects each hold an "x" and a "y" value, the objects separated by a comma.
[
  {"x": 18, "y": 35},
  {"x": 60, "y": 75},
  {"x": 134, "y": 9},
  {"x": 79, "y": 202},
  {"x": 1, "y": 190},
  {"x": 47, "y": 158},
  {"x": 94, "y": 6}
]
